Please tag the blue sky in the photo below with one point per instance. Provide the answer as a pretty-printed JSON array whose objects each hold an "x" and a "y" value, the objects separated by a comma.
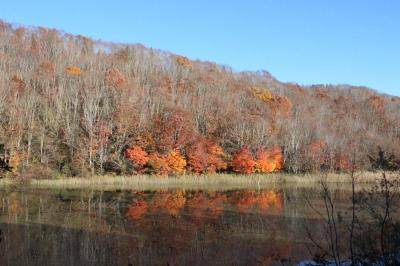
[{"x": 305, "y": 41}]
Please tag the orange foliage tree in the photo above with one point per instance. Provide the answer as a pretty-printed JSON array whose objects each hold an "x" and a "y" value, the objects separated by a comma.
[
  {"x": 268, "y": 161},
  {"x": 262, "y": 94},
  {"x": 137, "y": 156},
  {"x": 277, "y": 102},
  {"x": 183, "y": 61},
  {"x": 243, "y": 161},
  {"x": 205, "y": 156},
  {"x": 158, "y": 164},
  {"x": 176, "y": 162},
  {"x": 215, "y": 157}
]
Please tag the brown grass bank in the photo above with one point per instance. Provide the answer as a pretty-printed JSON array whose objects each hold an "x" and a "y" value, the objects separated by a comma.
[{"x": 208, "y": 182}]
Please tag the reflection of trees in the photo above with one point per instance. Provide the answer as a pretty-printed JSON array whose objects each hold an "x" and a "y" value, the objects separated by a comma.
[
  {"x": 137, "y": 209},
  {"x": 205, "y": 204},
  {"x": 171, "y": 202},
  {"x": 267, "y": 201},
  {"x": 164, "y": 227}
]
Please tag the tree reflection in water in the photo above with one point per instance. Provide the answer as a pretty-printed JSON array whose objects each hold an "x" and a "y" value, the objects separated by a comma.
[{"x": 73, "y": 227}]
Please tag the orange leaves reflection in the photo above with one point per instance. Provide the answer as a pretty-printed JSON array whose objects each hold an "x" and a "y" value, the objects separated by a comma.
[
  {"x": 170, "y": 202},
  {"x": 206, "y": 205},
  {"x": 202, "y": 205},
  {"x": 267, "y": 201},
  {"x": 137, "y": 209}
]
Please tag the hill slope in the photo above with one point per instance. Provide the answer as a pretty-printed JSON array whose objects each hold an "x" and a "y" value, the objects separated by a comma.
[{"x": 75, "y": 105}]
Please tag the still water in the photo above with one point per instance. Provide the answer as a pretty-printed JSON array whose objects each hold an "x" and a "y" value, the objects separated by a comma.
[{"x": 168, "y": 227}]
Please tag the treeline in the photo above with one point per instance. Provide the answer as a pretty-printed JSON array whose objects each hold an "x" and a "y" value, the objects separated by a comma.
[{"x": 79, "y": 106}]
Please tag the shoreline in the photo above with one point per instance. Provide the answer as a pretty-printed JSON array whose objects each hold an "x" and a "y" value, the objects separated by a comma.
[{"x": 206, "y": 182}]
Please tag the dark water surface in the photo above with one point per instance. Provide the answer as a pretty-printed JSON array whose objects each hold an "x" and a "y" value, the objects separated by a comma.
[{"x": 174, "y": 227}]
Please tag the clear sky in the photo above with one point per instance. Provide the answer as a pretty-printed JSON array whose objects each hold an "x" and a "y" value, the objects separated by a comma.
[{"x": 305, "y": 41}]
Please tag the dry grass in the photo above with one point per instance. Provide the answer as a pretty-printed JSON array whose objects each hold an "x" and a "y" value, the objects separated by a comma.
[{"x": 208, "y": 182}]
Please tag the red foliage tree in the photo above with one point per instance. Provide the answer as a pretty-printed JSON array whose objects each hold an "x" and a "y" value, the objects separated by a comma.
[
  {"x": 197, "y": 156},
  {"x": 243, "y": 161},
  {"x": 205, "y": 155},
  {"x": 215, "y": 157},
  {"x": 137, "y": 156}
]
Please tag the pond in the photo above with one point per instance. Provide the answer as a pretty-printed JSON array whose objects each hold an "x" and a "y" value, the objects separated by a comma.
[{"x": 166, "y": 227}]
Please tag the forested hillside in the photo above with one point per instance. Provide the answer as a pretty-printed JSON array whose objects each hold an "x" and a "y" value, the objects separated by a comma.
[{"x": 79, "y": 106}]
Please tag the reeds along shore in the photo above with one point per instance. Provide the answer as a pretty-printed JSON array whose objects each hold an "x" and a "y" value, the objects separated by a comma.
[{"x": 209, "y": 182}]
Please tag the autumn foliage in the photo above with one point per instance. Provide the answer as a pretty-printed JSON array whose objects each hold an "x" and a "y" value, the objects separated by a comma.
[
  {"x": 158, "y": 164},
  {"x": 243, "y": 161},
  {"x": 81, "y": 106},
  {"x": 205, "y": 156},
  {"x": 264, "y": 200},
  {"x": 176, "y": 162},
  {"x": 197, "y": 157},
  {"x": 136, "y": 155},
  {"x": 183, "y": 61},
  {"x": 73, "y": 70},
  {"x": 216, "y": 157},
  {"x": 268, "y": 161},
  {"x": 204, "y": 205},
  {"x": 137, "y": 209}
]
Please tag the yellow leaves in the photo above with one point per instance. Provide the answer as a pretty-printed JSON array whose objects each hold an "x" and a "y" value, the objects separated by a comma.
[
  {"x": 15, "y": 161},
  {"x": 176, "y": 162},
  {"x": 183, "y": 61},
  {"x": 73, "y": 70},
  {"x": 262, "y": 94},
  {"x": 276, "y": 102}
]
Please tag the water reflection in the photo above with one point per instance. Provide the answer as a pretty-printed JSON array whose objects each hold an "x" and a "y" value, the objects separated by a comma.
[
  {"x": 73, "y": 227},
  {"x": 203, "y": 204}
]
